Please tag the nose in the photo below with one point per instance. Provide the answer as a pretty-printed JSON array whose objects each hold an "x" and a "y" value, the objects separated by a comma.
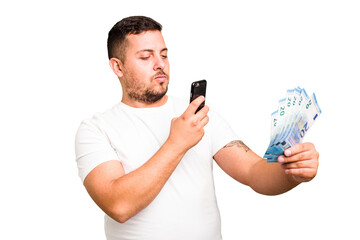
[{"x": 159, "y": 63}]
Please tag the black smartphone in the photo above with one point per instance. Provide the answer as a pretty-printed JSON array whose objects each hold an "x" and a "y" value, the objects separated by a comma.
[{"x": 198, "y": 88}]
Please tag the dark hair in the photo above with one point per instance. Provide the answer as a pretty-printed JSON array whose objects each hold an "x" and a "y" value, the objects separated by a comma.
[{"x": 130, "y": 25}]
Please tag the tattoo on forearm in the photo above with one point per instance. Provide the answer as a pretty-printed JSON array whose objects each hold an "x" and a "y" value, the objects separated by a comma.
[{"x": 238, "y": 144}]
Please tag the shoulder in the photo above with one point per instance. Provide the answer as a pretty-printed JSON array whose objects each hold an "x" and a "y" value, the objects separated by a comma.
[
  {"x": 99, "y": 120},
  {"x": 215, "y": 116}
]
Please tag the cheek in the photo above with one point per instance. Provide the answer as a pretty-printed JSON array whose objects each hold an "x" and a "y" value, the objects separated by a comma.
[
  {"x": 167, "y": 68},
  {"x": 143, "y": 71},
  {"x": 135, "y": 75}
]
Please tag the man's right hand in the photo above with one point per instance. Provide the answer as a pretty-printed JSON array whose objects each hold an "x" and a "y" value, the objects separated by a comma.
[{"x": 188, "y": 129}]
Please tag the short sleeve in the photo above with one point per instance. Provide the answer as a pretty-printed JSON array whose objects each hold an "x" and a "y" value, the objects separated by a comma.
[
  {"x": 92, "y": 148},
  {"x": 220, "y": 132}
]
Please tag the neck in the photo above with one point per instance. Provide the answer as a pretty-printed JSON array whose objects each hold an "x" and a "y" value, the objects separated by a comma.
[{"x": 137, "y": 104}]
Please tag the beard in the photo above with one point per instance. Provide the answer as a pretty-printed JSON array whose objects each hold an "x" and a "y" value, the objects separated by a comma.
[
  {"x": 148, "y": 95},
  {"x": 145, "y": 94}
]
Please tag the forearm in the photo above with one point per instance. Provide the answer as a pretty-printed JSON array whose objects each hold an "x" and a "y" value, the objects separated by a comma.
[
  {"x": 270, "y": 179},
  {"x": 134, "y": 191},
  {"x": 299, "y": 164},
  {"x": 121, "y": 195}
]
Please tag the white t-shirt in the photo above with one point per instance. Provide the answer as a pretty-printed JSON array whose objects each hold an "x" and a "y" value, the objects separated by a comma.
[{"x": 186, "y": 207}]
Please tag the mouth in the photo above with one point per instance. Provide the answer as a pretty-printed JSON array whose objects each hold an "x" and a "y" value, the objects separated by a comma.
[{"x": 160, "y": 78}]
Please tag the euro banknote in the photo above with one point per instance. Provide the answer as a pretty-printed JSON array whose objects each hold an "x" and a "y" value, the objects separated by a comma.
[{"x": 296, "y": 113}]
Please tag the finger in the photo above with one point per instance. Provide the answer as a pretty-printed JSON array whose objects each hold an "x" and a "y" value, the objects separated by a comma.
[
  {"x": 298, "y": 148},
  {"x": 202, "y": 113},
  {"x": 295, "y": 157},
  {"x": 204, "y": 121},
  {"x": 298, "y": 164},
  {"x": 201, "y": 118},
  {"x": 193, "y": 106},
  {"x": 302, "y": 172}
]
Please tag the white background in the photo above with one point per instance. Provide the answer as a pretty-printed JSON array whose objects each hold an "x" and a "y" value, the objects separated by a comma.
[{"x": 54, "y": 73}]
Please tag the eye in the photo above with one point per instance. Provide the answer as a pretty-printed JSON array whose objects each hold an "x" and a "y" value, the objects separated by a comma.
[
  {"x": 164, "y": 56},
  {"x": 145, "y": 58}
]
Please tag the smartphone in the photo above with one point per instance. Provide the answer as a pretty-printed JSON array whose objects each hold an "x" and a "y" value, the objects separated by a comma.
[{"x": 198, "y": 88}]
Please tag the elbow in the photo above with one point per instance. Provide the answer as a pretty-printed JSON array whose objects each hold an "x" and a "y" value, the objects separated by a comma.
[
  {"x": 119, "y": 213},
  {"x": 267, "y": 192},
  {"x": 121, "y": 219},
  {"x": 270, "y": 190},
  {"x": 122, "y": 215}
]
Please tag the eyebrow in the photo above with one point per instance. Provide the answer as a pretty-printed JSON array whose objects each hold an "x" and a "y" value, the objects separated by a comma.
[{"x": 150, "y": 50}]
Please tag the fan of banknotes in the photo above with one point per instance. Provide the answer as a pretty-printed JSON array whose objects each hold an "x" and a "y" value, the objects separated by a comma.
[{"x": 291, "y": 121}]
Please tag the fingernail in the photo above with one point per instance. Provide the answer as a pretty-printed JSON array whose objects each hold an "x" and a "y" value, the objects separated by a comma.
[
  {"x": 287, "y": 152},
  {"x": 281, "y": 159}
]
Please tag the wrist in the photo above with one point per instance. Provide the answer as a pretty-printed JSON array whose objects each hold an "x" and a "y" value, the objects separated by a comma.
[{"x": 175, "y": 147}]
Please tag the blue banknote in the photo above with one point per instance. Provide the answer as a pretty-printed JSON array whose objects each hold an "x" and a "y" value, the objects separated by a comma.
[{"x": 296, "y": 113}]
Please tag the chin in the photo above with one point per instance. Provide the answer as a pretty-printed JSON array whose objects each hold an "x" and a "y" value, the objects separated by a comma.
[{"x": 154, "y": 96}]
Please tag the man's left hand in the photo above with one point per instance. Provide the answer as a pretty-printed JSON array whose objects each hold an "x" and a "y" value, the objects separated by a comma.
[{"x": 300, "y": 161}]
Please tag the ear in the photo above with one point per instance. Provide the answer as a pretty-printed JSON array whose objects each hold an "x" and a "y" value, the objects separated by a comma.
[{"x": 116, "y": 66}]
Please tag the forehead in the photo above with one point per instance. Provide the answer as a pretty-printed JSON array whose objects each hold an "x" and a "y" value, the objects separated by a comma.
[{"x": 146, "y": 40}]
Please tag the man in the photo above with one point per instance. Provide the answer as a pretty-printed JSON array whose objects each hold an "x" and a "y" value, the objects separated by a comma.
[{"x": 147, "y": 162}]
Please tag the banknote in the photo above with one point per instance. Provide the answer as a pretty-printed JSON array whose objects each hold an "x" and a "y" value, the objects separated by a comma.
[{"x": 296, "y": 113}]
